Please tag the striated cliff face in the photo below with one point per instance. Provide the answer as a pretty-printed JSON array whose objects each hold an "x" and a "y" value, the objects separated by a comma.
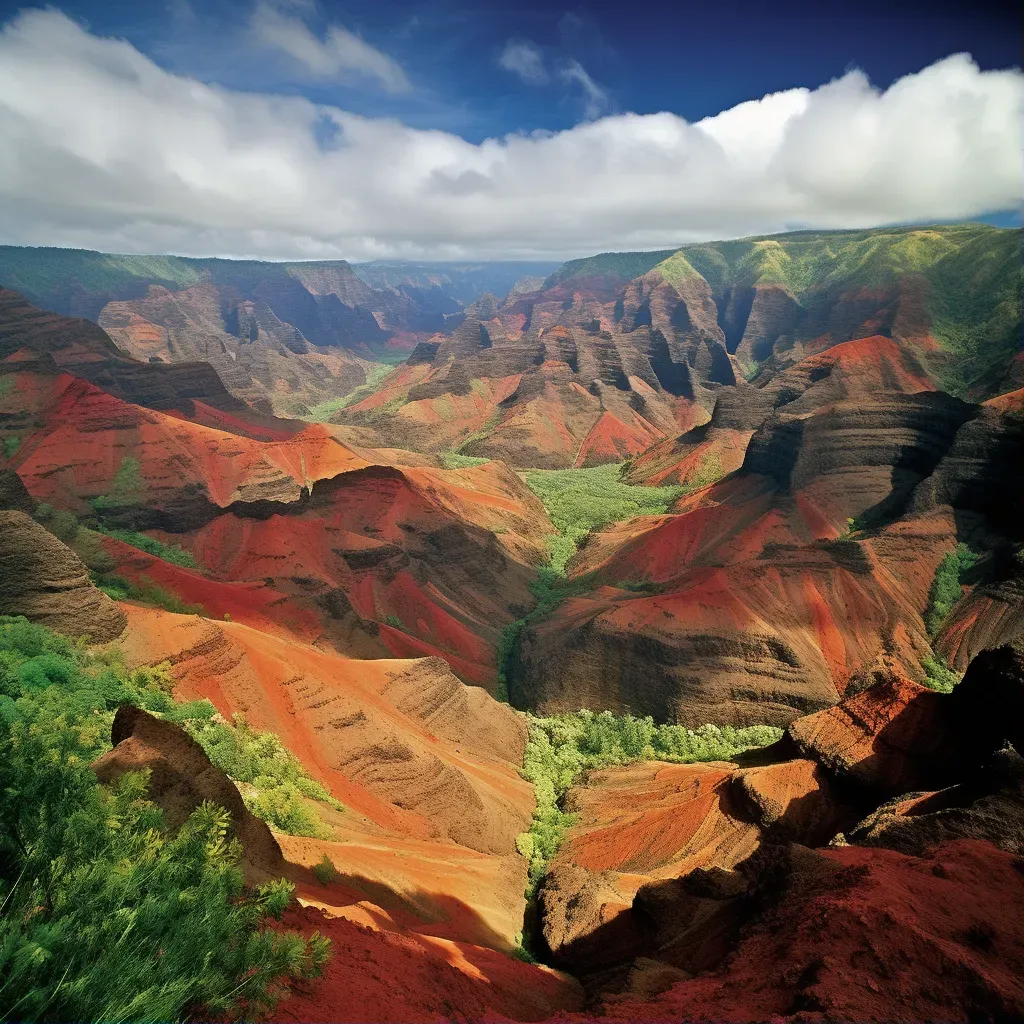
[
  {"x": 774, "y": 591},
  {"x": 32, "y": 337},
  {"x": 46, "y": 582},
  {"x": 657, "y": 349}
]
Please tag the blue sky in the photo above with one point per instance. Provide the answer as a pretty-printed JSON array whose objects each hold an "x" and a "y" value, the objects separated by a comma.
[
  {"x": 693, "y": 59},
  {"x": 365, "y": 128}
]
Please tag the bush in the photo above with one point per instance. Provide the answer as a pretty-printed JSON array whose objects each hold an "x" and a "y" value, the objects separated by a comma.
[
  {"x": 938, "y": 676},
  {"x": 275, "y": 785},
  {"x": 325, "y": 871},
  {"x": 106, "y": 915},
  {"x": 947, "y": 587},
  {"x": 277, "y": 788}
]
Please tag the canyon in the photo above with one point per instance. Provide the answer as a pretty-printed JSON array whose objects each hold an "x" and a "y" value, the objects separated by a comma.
[{"x": 424, "y": 535}]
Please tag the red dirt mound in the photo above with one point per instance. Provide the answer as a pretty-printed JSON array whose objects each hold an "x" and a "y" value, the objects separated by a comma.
[
  {"x": 869, "y": 935},
  {"x": 385, "y": 976}
]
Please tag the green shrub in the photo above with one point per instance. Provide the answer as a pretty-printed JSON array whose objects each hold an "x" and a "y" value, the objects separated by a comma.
[
  {"x": 276, "y": 788},
  {"x": 325, "y": 871},
  {"x": 172, "y": 553},
  {"x": 104, "y": 913},
  {"x": 11, "y": 444},
  {"x": 146, "y": 591},
  {"x": 938, "y": 675},
  {"x": 947, "y": 586}
]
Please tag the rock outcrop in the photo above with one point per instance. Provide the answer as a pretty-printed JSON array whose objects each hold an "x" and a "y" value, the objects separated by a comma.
[
  {"x": 45, "y": 581},
  {"x": 674, "y": 868},
  {"x": 181, "y": 777}
]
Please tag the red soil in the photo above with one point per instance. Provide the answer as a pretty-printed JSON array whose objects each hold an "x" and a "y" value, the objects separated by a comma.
[
  {"x": 381, "y": 975},
  {"x": 871, "y": 364},
  {"x": 870, "y": 935},
  {"x": 88, "y": 433}
]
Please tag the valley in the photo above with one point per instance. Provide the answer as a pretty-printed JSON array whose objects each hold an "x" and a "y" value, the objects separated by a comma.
[{"x": 578, "y": 642}]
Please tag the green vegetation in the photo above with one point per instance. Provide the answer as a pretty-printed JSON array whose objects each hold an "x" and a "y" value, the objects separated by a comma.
[
  {"x": 676, "y": 270},
  {"x": 325, "y": 871},
  {"x": 624, "y": 265},
  {"x": 146, "y": 591},
  {"x": 273, "y": 783},
  {"x": 39, "y": 273},
  {"x": 561, "y": 749},
  {"x": 105, "y": 914},
  {"x": 453, "y": 460},
  {"x": 62, "y": 524},
  {"x": 6, "y": 386},
  {"x": 11, "y": 444},
  {"x": 938, "y": 675},
  {"x": 395, "y": 623},
  {"x": 125, "y": 489},
  {"x": 578, "y": 500},
  {"x": 172, "y": 553},
  {"x": 946, "y": 588},
  {"x": 323, "y": 411}
]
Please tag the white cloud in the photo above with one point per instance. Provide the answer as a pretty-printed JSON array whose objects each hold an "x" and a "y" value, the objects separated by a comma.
[
  {"x": 524, "y": 59},
  {"x": 339, "y": 55},
  {"x": 103, "y": 148},
  {"x": 594, "y": 97}
]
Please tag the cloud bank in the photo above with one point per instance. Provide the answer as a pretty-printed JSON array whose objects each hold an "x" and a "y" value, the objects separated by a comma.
[{"x": 103, "y": 148}]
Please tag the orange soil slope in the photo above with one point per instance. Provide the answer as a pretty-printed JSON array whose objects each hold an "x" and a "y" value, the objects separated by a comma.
[{"x": 426, "y": 768}]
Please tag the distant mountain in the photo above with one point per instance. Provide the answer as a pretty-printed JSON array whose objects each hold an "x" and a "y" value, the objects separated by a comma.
[
  {"x": 619, "y": 351},
  {"x": 463, "y": 282},
  {"x": 287, "y": 338}
]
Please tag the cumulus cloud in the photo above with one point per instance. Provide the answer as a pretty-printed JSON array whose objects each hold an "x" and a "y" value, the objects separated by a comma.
[
  {"x": 524, "y": 59},
  {"x": 340, "y": 55},
  {"x": 103, "y": 148}
]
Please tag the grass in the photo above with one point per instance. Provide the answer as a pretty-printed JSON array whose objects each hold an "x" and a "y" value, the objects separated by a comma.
[
  {"x": 172, "y": 553},
  {"x": 323, "y": 411},
  {"x": 453, "y": 460},
  {"x": 146, "y": 591},
  {"x": 107, "y": 913},
  {"x": 578, "y": 500},
  {"x": 561, "y": 749},
  {"x": 125, "y": 489}
]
